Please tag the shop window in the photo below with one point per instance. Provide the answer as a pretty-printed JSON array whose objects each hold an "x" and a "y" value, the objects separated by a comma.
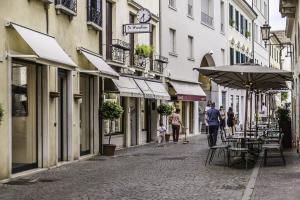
[
  {"x": 116, "y": 127},
  {"x": 144, "y": 114}
]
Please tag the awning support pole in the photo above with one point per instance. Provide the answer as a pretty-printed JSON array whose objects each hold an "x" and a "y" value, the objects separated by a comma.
[{"x": 246, "y": 113}]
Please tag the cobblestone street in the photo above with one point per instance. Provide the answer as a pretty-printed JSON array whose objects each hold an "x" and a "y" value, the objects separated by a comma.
[
  {"x": 276, "y": 181},
  {"x": 175, "y": 171}
]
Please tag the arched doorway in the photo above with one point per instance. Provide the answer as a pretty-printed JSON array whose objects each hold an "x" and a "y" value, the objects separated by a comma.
[{"x": 206, "y": 84}]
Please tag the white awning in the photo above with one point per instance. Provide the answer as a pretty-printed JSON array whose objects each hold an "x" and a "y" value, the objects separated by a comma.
[
  {"x": 45, "y": 46},
  {"x": 187, "y": 91},
  {"x": 158, "y": 90},
  {"x": 127, "y": 87},
  {"x": 99, "y": 63},
  {"x": 148, "y": 94}
]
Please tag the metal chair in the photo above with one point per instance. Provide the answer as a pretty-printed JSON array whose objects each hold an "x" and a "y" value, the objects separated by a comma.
[
  {"x": 212, "y": 150},
  {"x": 272, "y": 146}
]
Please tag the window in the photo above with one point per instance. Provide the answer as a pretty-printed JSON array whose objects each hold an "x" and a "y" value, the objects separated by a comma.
[
  {"x": 247, "y": 32},
  {"x": 222, "y": 17},
  {"x": 237, "y": 20},
  {"x": 95, "y": 12},
  {"x": 237, "y": 109},
  {"x": 224, "y": 100},
  {"x": 242, "y": 25},
  {"x": 172, "y": 41},
  {"x": 231, "y": 20},
  {"x": 207, "y": 12},
  {"x": 191, "y": 46},
  {"x": 172, "y": 3},
  {"x": 68, "y": 7},
  {"x": 237, "y": 57},
  {"x": 190, "y": 8},
  {"x": 117, "y": 125},
  {"x": 231, "y": 56},
  {"x": 243, "y": 60},
  {"x": 231, "y": 101},
  {"x": 144, "y": 114}
]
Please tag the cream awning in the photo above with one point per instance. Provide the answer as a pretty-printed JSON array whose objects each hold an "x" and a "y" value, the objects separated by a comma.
[
  {"x": 187, "y": 91},
  {"x": 158, "y": 90},
  {"x": 45, "y": 46},
  {"x": 127, "y": 87},
  {"x": 99, "y": 63},
  {"x": 148, "y": 94}
]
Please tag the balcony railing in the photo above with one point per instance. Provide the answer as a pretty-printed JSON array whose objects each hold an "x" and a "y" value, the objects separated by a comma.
[
  {"x": 68, "y": 7},
  {"x": 94, "y": 17},
  {"x": 206, "y": 19},
  {"x": 140, "y": 62},
  {"x": 117, "y": 55},
  {"x": 157, "y": 67}
]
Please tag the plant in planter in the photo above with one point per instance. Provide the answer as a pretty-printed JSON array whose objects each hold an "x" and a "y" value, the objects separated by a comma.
[
  {"x": 144, "y": 51},
  {"x": 165, "y": 110},
  {"x": 1, "y": 113},
  {"x": 232, "y": 22},
  {"x": 284, "y": 117},
  {"x": 110, "y": 111},
  {"x": 248, "y": 34}
]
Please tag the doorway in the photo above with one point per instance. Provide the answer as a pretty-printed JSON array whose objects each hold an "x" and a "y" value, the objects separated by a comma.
[
  {"x": 62, "y": 139},
  {"x": 86, "y": 113},
  {"x": 133, "y": 120},
  {"x": 24, "y": 116}
]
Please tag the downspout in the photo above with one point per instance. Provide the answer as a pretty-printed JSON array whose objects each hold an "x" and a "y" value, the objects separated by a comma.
[
  {"x": 46, "y": 6},
  {"x": 160, "y": 27},
  {"x": 253, "y": 37}
]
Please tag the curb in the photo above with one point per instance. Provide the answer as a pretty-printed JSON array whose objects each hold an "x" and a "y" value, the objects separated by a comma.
[{"x": 251, "y": 183}]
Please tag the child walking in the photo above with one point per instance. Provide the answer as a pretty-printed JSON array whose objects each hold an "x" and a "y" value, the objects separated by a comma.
[{"x": 161, "y": 133}]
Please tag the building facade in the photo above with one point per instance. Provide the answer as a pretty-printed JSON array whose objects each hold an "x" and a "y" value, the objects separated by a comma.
[
  {"x": 291, "y": 10},
  {"x": 59, "y": 61},
  {"x": 185, "y": 29}
]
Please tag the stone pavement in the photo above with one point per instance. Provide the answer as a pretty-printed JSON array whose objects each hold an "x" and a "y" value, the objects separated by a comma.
[
  {"x": 175, "y": 171},
  {"x": 277, "y": 182}
]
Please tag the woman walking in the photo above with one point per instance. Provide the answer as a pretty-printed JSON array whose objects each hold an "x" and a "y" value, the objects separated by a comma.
[
  {"x": 222, "y": 121},
  {"x": 230, "y": 120},
  {"x": 176, "y": 122}
]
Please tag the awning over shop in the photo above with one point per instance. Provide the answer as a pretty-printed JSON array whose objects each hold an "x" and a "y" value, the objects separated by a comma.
[
  {"x": 99, "y": 63},
  {"x": 148, "y": 94},
  {"x": 127, "y": 87},
  {"x": 186, "y": 91},
  {"x": 158, "y": 90},
  {"x": 45, "y": 46}
]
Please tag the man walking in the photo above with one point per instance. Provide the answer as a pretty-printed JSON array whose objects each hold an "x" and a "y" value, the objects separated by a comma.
[{"x": 213, "y": 117}]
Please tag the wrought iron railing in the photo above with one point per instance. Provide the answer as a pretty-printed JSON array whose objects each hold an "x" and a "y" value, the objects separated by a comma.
[
  {"x": 117, "y": 55},
  {"x": 140, "y": 62},
  {"x": 158, "y": 67},
  {"x": 206, "y": 19},
  {"x": 68, "y": 4},
  {"x": 95, "y": 16}
]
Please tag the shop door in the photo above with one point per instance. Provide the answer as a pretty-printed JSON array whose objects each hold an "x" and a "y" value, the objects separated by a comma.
[
  {"x": 24, "y": 116},
  {"x": 86, "y": 113},
  {"x": 62, "y": 116},
  {"x": 148, "y": 118},
  {"x": 133, "y": 120}
]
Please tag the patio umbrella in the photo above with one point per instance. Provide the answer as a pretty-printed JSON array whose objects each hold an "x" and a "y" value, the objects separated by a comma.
[{"x": 248, "y": 77}]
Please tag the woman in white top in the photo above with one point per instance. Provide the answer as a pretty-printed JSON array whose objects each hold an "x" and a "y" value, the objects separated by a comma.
[{"x": 176, "y": 122}]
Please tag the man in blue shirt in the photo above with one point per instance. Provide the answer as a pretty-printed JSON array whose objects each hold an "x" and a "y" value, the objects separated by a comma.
[{"x": 213, "y": 118}]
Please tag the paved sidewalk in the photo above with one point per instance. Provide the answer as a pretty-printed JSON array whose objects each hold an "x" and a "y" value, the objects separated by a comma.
[
  {"x": 175, "y": 171},
  {"x": 277, "y": 182}
]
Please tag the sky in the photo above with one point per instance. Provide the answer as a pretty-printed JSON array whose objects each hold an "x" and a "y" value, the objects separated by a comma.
[{"x": 276, "y": 22}]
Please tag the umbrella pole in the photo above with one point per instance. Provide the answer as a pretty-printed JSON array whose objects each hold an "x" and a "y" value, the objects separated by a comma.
[
  {"x": 269, "y": 110},
  {"x": 246, "y": 113},
  {"x": 251, "y": 112},
  {"x": 256, "y": 114}
]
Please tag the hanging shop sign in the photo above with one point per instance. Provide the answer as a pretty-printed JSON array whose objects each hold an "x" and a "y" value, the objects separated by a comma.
[
  {"x": 137, "y": 28},
  {"x": 143, "y": 17}
]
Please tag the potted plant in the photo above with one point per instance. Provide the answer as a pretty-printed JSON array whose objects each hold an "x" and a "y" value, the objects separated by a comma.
[
  {"x": 144, "y": 51},
  {"x": 1, "y": 113},
  {"x": 232, "y": 22},
  {"x": 165, "y": 110},
  {"x": 111, "y": 111},
  {"x": 248, "y": 34},
  {"x": 284, "y": 117}
]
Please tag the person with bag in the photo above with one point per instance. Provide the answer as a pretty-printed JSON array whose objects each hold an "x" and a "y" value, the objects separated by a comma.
[
  {"x": 213, "y": 118},
  {"x": 231, "y": 120},
  {"x": 176, "y": 122}
]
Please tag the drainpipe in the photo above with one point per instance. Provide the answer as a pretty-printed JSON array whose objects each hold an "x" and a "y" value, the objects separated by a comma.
[
  {"x": 160, "y": 27},
  {"x": 46, "y": 6}
]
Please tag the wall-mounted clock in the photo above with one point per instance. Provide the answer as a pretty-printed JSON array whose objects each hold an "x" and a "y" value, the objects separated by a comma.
[{"x": 144, "y": 15}]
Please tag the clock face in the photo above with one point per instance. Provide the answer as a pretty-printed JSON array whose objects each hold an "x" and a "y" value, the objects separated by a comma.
[{"x": 143, "y": 16}]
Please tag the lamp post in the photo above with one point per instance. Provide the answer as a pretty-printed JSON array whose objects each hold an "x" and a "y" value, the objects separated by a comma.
[{"x": 265, "y": 32}]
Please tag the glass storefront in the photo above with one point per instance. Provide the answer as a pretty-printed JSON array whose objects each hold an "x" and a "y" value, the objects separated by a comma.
[
  {"x": 24, "y": 116},
  {"x": 86, "y": 114}
]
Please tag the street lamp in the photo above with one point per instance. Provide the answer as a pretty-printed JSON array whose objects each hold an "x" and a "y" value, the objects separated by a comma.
[{"x": 265, "y": 32}]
